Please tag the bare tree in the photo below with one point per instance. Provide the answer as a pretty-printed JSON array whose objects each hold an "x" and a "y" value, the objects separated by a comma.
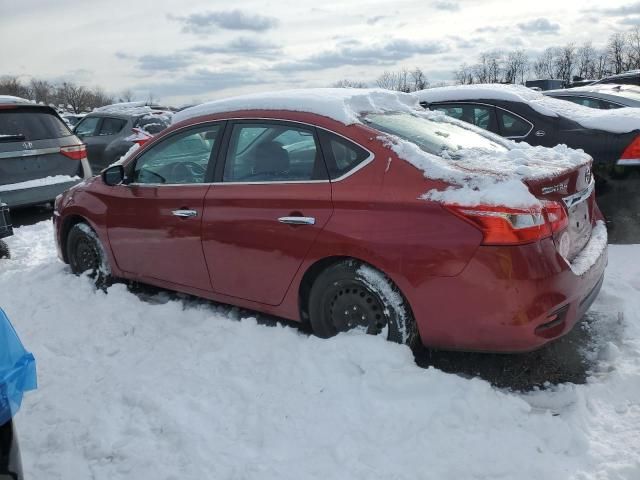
[
  {"x": 74, "y": 96},
  {"x": 464, "y": 75},
  {"x": 585, "y": 61},
  {"x": 41, "y": 91},
  {"x": 151, "y": 99},
  {"x": 126, "y": 96},
  {"x": 418, "y": 80},
  {"x": 546, "y": 63},
  {"x": 565, "y": 62},
  {"x": 516, "y": 66},
  {"x": 11, "y": 85},
  {"x": 633, "y": 48},
  {"x": 346, "y": 83},
  {"x": 617, "y": 47}
]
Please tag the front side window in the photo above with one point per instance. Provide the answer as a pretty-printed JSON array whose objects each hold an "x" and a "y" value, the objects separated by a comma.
[
  {"x": 180, "y": 159},
  {"x": 513, "y": 126},
  {"x": 111, "y": 126},
  {"x": 87, "y": 127},
  {"x": 431, "y": 136},
  {"x": 264, "y": 152}
]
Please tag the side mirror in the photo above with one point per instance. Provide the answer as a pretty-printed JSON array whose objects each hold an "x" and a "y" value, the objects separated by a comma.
[{"x": 113, "y": 175}]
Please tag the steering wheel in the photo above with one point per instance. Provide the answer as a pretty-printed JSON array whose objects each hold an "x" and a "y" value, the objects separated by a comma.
[{"x": 187, "y": 172}]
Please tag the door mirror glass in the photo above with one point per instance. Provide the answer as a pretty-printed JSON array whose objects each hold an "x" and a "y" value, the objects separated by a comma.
[{"x": 114, "y": 175}]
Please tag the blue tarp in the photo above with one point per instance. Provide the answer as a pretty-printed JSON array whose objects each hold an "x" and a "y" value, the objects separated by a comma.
[{"x": 17, "y": 370}]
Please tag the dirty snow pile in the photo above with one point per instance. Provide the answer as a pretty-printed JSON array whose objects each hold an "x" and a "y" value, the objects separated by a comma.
[
  {"x": 619, "y": 120},
  {"x": 158, "y": 387}
]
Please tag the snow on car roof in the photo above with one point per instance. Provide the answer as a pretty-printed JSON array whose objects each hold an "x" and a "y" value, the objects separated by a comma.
[
  {"x": 133, "y": 109},
  {"x": 621, "y": 120},
  {"x": 344, "y": 105},
  {"x": 493, "y": 176},
  {"x": 11, "y": 99}
]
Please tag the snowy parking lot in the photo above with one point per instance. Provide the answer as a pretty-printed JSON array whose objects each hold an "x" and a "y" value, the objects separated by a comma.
[{"x": 167, "y": 387}]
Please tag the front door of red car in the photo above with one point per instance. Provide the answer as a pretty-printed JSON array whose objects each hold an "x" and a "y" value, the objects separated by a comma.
[
  {"x": 154, "y": 222},
  {"x": 271, "y": 199}
]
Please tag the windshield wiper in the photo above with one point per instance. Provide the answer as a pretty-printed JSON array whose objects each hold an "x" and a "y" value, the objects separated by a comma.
[{"x": 12, "y": 138}]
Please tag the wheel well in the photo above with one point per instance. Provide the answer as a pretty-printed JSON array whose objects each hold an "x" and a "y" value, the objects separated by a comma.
[{"x": 68, "y": 223}]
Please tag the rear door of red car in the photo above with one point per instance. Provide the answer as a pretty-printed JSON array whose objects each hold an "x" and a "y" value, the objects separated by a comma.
[
  {"x": 271, "y": 199},
  {"x": 154, "y": 221}
]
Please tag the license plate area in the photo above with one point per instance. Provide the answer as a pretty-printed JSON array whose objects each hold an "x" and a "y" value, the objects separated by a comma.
[{"x": 579, "y": 226}]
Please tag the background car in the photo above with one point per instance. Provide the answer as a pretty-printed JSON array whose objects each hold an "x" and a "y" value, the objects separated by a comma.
[
  {"x": 109, "y": 132},
  {"x": 72, "y": 119},
  {"x": 612, "y": 138},
  {"x": 308, "y": 206},
  {"x": 632, "y": 77},
  {"x": 603, "y": 96},
  {"x": 39, "y": 156},
  {"x": 6, "y": 230}
]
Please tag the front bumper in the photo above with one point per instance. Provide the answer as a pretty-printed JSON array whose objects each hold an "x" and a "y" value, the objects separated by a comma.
[{"x": 508, "y": 299}]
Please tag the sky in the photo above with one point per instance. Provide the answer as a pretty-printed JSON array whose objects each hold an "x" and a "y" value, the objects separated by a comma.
[{"x": 189, "y": 52}]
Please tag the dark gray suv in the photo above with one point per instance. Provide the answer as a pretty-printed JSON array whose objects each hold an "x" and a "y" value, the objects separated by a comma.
[
  {"x": 109, "y": 132},
  {"x": 39, "y": 156}
]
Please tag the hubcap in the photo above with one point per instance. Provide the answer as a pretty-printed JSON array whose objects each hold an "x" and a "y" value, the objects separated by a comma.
[
  {"x": 86, "y": 256},
  {"x": 353, "y": 306}
]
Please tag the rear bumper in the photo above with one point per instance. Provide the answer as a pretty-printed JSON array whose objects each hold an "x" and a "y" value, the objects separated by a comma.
[
  {"x": 23, "y": 196},
  {"x": 508, "y": 299}
]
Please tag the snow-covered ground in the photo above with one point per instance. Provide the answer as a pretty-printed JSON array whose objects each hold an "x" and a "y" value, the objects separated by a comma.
[{"x": 159, "y": 388}]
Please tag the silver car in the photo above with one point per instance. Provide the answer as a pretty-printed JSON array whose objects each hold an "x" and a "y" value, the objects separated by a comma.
[{"x": 39, "y": 156}]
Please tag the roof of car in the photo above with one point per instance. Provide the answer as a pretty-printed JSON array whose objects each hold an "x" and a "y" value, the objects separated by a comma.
[
  {"x": 344, "y": 105},
  {"x": 615, "y": 121},
  {"x": 610, "y": 88},
  {"x": 10, "y": 100}
]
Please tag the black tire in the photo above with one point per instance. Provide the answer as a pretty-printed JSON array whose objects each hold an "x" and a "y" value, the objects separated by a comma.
[
  {"x": 4, "y": 250},
  {"x": 351, "y": 295},
  {"x": 85, "y": 254}
]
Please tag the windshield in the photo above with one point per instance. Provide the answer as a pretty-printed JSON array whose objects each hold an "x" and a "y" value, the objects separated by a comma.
[
  {"x": 30, "y": 124},
  {"x": 431, "y": 136}
]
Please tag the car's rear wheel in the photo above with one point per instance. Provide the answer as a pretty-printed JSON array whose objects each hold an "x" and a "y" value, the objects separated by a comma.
[
  {"x": 85, "y": 254},
  {"x": 351, "y": 295}
]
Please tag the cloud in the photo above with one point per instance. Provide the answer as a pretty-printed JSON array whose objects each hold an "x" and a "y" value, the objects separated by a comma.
[
  {"x": 356, "y": 53},
  {"x": 159, "y": 63},
  {"x": 464, "y": 43},
  {"x": 488, "y": 29},
  {"x": 208, "y": 22},
  {"x": 201, "y": 82},
  {"x": 376, "y": 19},
  {"x": 630, "y": 21},
  {"x": 446, "y": 5},
  {"x": 248, "y": 47},
  {"x": 539, "y": 25},
  {"x": 630, "y": 9}
]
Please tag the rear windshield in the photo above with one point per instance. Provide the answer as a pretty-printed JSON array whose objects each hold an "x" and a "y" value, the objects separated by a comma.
[
  {"x": 153, "y": 123},
  {"x": 18, "y": 125},
  {"x": 431, "y": 136}
]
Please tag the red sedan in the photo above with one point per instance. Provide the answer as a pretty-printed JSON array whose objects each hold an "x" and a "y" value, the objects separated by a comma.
[{"x": 343, "y": 213}]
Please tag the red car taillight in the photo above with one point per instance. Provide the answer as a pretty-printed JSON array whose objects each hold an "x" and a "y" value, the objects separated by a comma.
[
  {"x": 512, "y": 226},
  {"x": 631, "y": 154},
  {"x": 74, "y": 152}
]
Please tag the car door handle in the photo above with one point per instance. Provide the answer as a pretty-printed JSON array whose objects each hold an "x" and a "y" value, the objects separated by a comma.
[
  {"x": 185, "y": 213},
  {"x": 297, "y": 220}
]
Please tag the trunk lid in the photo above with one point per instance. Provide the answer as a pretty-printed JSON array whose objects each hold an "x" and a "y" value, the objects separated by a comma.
[{"x": 574, "y": 189}]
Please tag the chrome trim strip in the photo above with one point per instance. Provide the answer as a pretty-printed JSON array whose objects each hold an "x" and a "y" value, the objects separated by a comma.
[
  {"x": 29, "y": 153},
  {"x": 628, "y": 162},
  {"x": 576, "y": 198}
]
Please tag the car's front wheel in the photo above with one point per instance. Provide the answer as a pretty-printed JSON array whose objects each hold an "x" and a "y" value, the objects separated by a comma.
[
  {"x": 85, "y": 254},
  {"x": 351, "y": 295}
]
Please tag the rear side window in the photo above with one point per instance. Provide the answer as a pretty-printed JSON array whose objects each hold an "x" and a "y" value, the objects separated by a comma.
[
  {"x": 152, "y": 123},
  {"x": 479, "y": 115},
  {"x": 28, "y": 125},
  {"x": 111, "y": 126},
  {"x": 342, "y": 155},
  {"x": 87, "y": 127},
  {"x": 513, "y": 126}
]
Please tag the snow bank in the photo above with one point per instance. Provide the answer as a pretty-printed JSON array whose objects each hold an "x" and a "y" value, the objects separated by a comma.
[
  {"x": 344, "y": 105},
  {"x": 620, "y": 120},
  {"x": 155, "y": 387}
]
